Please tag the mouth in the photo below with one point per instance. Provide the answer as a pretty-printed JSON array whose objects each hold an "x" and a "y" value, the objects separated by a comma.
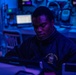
[{"x": 40, "y": 35}]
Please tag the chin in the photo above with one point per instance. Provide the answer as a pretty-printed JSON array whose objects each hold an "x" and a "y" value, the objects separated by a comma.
[{"x": 41, "y": 38}]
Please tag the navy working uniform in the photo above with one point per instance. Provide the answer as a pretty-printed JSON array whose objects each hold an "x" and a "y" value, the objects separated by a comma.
[{"x": 53, "y": 51}]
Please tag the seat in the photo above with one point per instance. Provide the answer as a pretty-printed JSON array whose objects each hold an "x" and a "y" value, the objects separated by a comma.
[
  {"x": 65, "y": 15},
  {"x": 12, "y": 39}
]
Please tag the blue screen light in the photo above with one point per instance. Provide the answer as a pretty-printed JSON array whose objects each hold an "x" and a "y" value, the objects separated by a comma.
[{"x": 9, "y": 10}]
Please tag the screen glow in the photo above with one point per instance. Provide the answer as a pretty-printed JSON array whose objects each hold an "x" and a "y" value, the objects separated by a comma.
[{"x": 23, "y": 19}]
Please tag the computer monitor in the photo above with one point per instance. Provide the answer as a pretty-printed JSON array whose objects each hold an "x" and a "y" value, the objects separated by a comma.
[
  {"x": 69, "y": 69},
  {"x": 23, "y": 3},
  {"x": 26, "y": 2},
  {"x": 73, "y": 2},
  {"x": 23, "y": 20}
]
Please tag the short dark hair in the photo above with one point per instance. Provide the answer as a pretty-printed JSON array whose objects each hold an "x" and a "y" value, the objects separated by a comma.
[{"x": 43, "y": 10}]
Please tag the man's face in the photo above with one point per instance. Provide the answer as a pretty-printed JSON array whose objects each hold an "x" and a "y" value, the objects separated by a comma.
[{"x": 42, "y": 26}]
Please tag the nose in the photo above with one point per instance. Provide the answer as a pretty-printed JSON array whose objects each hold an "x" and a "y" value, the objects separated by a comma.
[{"x": 39, "y": 29}]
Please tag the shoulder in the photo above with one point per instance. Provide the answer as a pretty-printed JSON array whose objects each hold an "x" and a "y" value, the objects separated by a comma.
[
  {"x": 65, "y": 40},
  {"x": 65, "y": 44}
]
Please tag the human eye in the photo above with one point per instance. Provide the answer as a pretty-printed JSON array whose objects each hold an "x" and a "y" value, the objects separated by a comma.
[
  {"x": 35, "y": 27},
  {"x": 43, "y": 25}
]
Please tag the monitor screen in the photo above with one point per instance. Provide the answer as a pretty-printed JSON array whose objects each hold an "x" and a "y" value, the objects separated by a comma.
[
  {"x": 74, "y": 2},
  {"x": 26, "y": 2},
  {"x": 22, "y": 3},
  {"x": 23, "y": 20}
]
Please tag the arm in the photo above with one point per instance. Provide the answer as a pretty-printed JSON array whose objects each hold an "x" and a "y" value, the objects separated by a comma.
[
  {"x": 22, "y": 52},
  {"x": 12, "y": 53}
]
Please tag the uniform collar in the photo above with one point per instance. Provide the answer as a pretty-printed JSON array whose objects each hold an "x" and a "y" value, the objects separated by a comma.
[{"x": 50, "y": 39}]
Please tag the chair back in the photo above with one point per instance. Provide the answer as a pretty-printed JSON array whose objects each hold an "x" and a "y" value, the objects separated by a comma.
[{"x": 12, "y": 39}]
